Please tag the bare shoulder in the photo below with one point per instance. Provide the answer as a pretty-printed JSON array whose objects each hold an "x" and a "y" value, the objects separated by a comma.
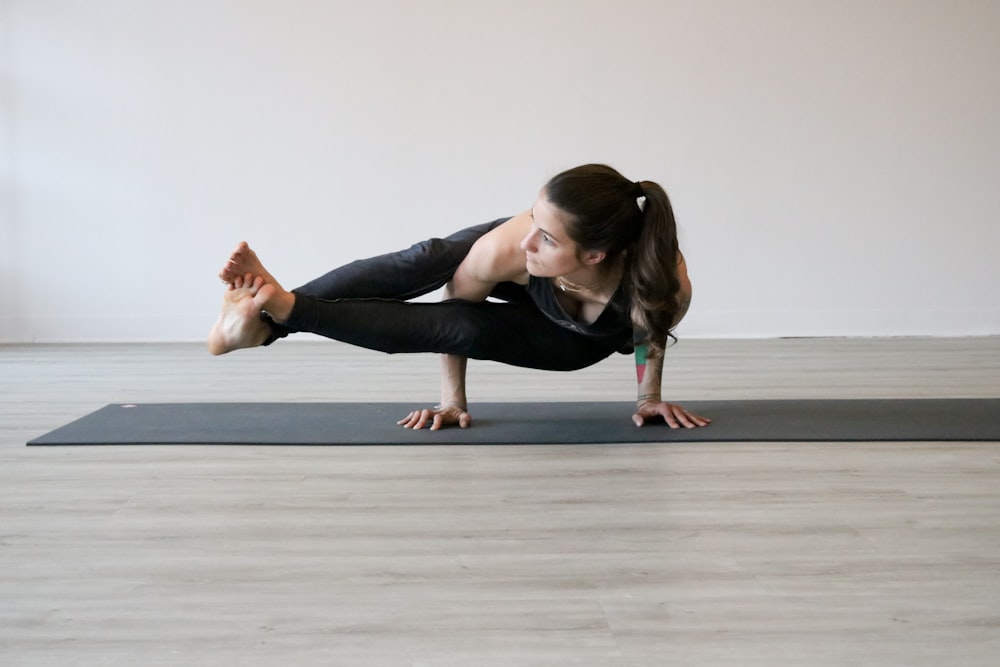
[
  {"x": 682, "y": 269},
  {"x": 497, "y": 255},
  {"x": 684, "y": 295},
  {"x": 682, "y": 275}
]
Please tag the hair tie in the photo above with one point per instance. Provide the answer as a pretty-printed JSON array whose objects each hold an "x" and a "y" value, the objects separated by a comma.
[{"x": 640, "y": 197}]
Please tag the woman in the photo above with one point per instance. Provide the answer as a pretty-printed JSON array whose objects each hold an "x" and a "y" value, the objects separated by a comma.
[{"x": 591, "y": 269}]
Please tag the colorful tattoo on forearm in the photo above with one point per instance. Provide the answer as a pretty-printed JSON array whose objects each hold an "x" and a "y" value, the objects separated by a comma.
[{"x": 640, "y": 362}]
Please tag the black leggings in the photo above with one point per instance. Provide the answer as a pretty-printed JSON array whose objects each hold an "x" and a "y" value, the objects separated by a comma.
[{"x": 364, "y": 303}]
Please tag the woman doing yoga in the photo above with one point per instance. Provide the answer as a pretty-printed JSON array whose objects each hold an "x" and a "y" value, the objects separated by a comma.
[{"x": 593, "y": 268}]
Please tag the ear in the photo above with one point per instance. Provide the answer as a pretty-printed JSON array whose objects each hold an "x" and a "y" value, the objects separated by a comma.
[{"x": 592, "y": 257}]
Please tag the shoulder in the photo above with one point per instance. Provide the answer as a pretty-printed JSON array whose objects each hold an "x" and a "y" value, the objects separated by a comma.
[
  {"x": 682, "y": 270},
  {"x": 497, "y": 255},
  {"x": 684, "y": 293}
]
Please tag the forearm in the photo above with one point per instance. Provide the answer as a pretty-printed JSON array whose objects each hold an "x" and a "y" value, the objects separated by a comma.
[
  {"x": 453, "y": 381},
  {"x": 453, "y": 366},
  {"x": 648, "y": 373}
]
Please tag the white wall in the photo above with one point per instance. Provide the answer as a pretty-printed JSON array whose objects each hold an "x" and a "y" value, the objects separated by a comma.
[{"x": 834, "y": 165}]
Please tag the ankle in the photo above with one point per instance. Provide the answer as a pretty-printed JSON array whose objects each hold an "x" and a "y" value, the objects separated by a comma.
[{"x": 279, "y": 307}]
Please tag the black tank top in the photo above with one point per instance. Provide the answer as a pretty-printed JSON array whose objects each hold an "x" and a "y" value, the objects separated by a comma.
[{"x": 614, "y": 320}]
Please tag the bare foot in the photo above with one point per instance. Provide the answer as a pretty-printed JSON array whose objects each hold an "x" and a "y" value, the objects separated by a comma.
[
  {"x": 239, "y": 325},
  {"x": 244, "y": 261}
]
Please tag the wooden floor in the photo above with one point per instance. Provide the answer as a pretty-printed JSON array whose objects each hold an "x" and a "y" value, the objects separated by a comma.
[{"x": 690, "y": 554}]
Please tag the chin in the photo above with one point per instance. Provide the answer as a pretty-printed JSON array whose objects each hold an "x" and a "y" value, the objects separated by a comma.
[{"x": 536, "y": 272}]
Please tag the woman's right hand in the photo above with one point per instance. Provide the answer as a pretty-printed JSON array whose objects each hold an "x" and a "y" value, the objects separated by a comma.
[{"x": 438, "y": 416}]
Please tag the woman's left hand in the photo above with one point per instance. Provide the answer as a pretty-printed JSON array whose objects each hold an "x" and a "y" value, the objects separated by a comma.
[
  {"x": 438, "y": 417},
  {"x": 674, "y": 415}
]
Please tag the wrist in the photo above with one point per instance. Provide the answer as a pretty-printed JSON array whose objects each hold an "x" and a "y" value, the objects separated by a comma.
[
  {"x": 648, "y": 397},
  {"x": 459, "y": 405}
]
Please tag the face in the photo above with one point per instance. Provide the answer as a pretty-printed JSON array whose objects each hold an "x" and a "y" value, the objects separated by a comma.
[{"x": 548, "y": 248}]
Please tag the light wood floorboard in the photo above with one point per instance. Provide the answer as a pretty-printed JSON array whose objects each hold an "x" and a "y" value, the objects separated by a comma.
[{"x": 683, "y": 554}]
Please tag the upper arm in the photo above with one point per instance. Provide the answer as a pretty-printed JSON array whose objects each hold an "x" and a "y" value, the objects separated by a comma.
[{"x": 494, "y": 258}]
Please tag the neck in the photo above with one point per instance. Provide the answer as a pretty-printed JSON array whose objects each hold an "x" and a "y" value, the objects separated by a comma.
[{"x": 590, "y": 280}]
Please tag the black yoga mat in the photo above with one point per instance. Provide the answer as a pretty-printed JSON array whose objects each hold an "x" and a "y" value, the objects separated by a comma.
[{"x": 530, "y": 423}]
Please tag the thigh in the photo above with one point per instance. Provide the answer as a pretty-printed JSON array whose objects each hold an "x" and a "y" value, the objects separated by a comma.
[
  {"x": 511, "y": 333},
  {"x": 406, "y": 274},
  {"x": 520, "y": 335}
]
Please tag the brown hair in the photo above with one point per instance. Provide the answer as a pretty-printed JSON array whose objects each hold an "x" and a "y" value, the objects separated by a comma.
[{"x": 604, "y": 215}]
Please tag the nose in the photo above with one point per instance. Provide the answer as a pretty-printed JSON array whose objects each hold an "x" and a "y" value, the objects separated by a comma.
[{"x": 528, "y": 242}]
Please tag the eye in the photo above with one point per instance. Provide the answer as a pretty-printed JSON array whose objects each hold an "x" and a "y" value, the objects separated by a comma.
[{"x": 547, "y": 239}]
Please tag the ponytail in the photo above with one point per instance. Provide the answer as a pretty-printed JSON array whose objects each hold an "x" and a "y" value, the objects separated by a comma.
[
  {"x": 610, "y": 213},
  {"x": 651, "y": 266}
]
